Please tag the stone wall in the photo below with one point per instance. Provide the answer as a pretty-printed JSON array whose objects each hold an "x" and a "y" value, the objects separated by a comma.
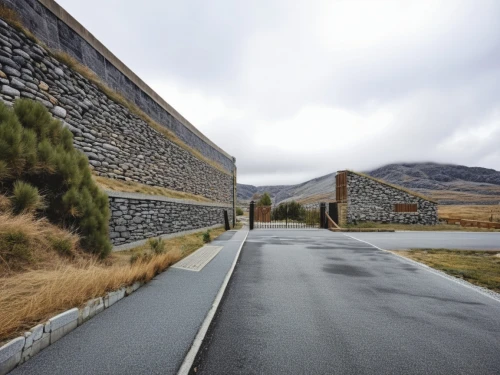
[
  {"x": 370, "y": 200},
  {"x": 137, "y": 216},
  {"x": 58, "y": 30},
  {"x": 118, "y": 143}
]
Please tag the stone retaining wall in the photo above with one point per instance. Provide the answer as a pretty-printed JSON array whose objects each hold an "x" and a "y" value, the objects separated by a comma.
[
  {"x": 118, "y": 143},
  {"x": 60, "y": 31},
  {"x": 370, "y": 200},
  {"x": 137, "y": 216}
]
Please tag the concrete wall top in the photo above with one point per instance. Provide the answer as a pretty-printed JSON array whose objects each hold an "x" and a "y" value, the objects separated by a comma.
[{"x": 71, "y": 22}]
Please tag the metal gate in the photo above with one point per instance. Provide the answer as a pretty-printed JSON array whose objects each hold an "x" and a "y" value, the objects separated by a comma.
[{"x": 288, "y": 215}]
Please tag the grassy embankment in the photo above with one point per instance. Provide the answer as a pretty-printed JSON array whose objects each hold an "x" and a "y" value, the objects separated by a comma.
[
  {"x": 40, "y": 278},
  {"x": 478, "y": 267}
]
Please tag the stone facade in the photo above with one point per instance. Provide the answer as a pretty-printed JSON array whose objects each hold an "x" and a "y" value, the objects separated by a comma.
[
  {"x": 371, "y": 200},
  {"x": 59, "y": 31},
  {"x": 118, "y": 143},
  {"x": 136, "y": 216}
]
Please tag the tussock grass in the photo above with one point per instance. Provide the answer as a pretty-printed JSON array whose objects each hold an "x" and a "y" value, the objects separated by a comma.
[
  {"x": 136, "y": 187},
  {"x": 55, "y": 283},
  {"x": 42, "y": 240},
  {"x": 471, "y": 212},
  {"x": 11, "y": 17},
  {"x": 478, "y": 267}
]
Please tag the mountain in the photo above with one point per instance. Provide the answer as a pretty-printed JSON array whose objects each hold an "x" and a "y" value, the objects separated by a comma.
[{"x": 447, "y": 183}]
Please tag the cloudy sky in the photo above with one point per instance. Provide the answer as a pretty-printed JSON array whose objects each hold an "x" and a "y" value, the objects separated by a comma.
[{"x": 296, "y": 89}]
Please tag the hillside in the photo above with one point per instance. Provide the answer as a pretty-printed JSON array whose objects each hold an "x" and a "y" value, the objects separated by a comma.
[{"x": 447, "y": 183}]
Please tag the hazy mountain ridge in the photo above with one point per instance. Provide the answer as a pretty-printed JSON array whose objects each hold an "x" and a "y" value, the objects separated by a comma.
[{"x": 447, "y": 183}]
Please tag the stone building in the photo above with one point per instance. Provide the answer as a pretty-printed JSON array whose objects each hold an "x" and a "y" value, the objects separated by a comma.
[{"x": 361, "y": 198}]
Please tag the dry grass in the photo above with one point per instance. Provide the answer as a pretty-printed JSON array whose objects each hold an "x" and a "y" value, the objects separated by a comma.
[
  {"x": 136, "y": 187},
  {"x": 478, "y": 267},
  {"x": 51, "y": 283},
  {"x": 11, "y": 17},
  {"x": 482, "y": 194},
  {"x": 36, "y": 244},
  {"x": 470, "y": 212},
  {"x": 416, "y": 227}
]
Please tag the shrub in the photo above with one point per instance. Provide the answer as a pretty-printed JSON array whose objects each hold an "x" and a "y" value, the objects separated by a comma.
[
  {"x": 239, "y": 211},
  {"x": 62, "y": 245},
  {"x": 265, "y": 200},
  {"x": 25, "y": 197},
  {"x": 15, "y": 245},
  {"x": 157, "y": 245},
  {"x": 36, "y": 149},
  {"x": 206, "y": 237}
]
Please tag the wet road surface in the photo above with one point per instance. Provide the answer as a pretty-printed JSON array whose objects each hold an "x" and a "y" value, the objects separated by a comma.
[{"x": 317, "y": 302}]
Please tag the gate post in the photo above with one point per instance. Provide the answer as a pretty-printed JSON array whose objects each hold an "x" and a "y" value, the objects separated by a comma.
[
  {"x": 251, "y": 214},
  {"x": 322, "y": 215}
]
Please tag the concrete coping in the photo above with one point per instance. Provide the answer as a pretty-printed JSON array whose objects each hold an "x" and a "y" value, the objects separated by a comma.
[
  {"x": 86, "y": 35},
  {"x": 140, "y": 196}
]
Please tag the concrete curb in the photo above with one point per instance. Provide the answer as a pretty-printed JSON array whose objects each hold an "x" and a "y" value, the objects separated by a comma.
[{"x": 200, "y": 336}]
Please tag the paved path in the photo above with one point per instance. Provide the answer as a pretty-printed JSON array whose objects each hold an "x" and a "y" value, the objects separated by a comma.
[
  {"x": 317, "y": 302},
  {"x": 148, "y": 332},
  {"x": 444, "y": 240}
]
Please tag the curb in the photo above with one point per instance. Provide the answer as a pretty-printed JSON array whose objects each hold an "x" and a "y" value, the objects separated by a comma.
[{"x": 188, "y": 361}]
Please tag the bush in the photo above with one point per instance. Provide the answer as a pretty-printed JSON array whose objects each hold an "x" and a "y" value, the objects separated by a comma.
[
  {"x": 157, "y": 245},
  {"x": 15, "y": 245},
  {"x": 265, "y": 200},
  {"x": 239, "y": 211},
  {"x": 36, "y": 149},
  {"x": 62, "y": 246},
  {"x": 25, "y": 198},
  {"x": 207, "y": 237}
]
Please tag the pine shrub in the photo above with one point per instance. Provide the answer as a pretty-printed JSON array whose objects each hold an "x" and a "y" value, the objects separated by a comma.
[
  {"x": 37, "y": 149},
  {"x": 239, "y": 211},
  {"x": 25, "y": 198},
  {"x": 207, "y": 237}
]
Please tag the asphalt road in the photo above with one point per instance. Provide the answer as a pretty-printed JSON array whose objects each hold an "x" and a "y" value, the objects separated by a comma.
[
  {"x": 427, "y": 240},
  {"x": 148, "y": 332},
  {"x": 317, "y": 302}
]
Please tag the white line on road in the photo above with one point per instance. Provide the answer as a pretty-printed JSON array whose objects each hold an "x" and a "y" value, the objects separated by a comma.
[
  {"x": 193, "y": 351},
  {"x": 485, "y": 292}
]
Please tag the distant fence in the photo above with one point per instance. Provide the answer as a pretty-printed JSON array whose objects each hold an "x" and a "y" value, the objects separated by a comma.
[{"x": 472, "y": 223}]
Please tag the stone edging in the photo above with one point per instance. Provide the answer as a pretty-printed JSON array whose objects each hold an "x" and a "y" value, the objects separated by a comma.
[
  {"x": 21, "y": 349},
  {"x": 140, "y": 196},
  {"x": 131, "y": 245}
]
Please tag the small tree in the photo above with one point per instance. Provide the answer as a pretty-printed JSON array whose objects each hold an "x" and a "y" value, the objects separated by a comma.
[
  {"x": 36, "y": 149},
  {"x": 265, "y": 200}
]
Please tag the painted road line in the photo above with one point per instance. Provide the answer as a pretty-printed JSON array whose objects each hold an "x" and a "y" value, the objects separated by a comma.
[
  {"x": 494, "y": 296},
  {"x": 198, "y": 340}
]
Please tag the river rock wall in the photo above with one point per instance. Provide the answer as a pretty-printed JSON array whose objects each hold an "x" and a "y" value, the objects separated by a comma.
[
  {"x": 118, "y": 143},
  {"x": 60, "y": 31},
  {"x": 370, "y": 200},
  {"x": 137, "y": 216}
]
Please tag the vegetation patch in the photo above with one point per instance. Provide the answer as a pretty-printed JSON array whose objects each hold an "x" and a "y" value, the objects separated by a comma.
[
  {"x": 37, "y": 156},
  {"x": 477, "y": 267},
  {"x": 136, "y": 187},
  {"x": 54, "y": 282}
]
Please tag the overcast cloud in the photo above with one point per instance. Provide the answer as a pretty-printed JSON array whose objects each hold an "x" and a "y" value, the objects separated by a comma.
[{"x": 298, "y": 89}]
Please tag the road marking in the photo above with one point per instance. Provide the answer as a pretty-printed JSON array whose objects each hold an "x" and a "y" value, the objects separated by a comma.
[
  {"x": 198, "y": 340},
  {"x": 199, "y": 259},
  {"x": 435, "y": 272}
]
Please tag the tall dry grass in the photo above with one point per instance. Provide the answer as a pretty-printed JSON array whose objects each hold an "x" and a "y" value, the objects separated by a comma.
[
  {"x": 34, "y": 296},
  {"x": 50, "y": 282}
]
